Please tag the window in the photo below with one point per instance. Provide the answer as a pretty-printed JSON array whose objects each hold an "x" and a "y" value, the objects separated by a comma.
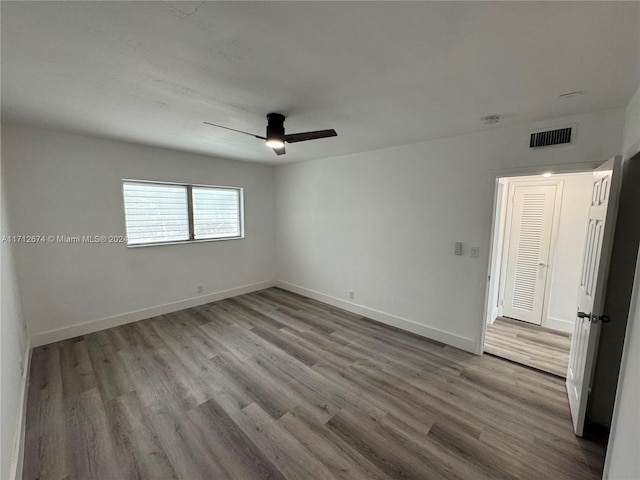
[
  {"x": 216, "y": 212},
  {"x": 169, "y": 213}
]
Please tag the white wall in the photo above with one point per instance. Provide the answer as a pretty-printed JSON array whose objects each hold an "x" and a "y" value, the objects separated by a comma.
[
  {"x": 631, "y": 135},
  {"x": 62, "y": 184},
  {"x": 383, "y": 223},
  {"x": 12, "y": 346},
  {"x": 622, "y": 461}
]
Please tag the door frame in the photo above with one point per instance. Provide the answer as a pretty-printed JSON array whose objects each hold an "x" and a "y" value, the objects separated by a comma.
[
  {"x": 506, "y": 238},
  {"x": 490, "y": 237}
]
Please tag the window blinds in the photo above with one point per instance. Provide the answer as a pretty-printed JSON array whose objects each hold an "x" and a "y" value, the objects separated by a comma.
[{"x": 156, "y": 212}]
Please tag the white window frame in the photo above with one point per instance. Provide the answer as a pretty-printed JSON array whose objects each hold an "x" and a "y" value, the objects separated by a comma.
[{"x": 188, "y": 186}]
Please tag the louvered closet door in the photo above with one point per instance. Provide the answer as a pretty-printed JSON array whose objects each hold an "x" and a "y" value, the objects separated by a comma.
[{"x": 528, "y": 255}]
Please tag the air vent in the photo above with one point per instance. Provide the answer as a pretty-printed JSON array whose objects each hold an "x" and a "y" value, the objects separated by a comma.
[{"x": 550, "y": 137}]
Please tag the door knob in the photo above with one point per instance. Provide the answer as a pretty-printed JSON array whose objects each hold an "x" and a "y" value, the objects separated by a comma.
[
  {"x": 542, "y": 265},
  {"x": 595, "y": 318}
]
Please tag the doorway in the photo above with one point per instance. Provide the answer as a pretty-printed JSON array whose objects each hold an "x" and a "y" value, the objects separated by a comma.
[{"x": 539, "y": 237}]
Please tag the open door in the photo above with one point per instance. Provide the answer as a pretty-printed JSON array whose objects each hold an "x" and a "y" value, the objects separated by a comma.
[{"x": 584, "y": 344}]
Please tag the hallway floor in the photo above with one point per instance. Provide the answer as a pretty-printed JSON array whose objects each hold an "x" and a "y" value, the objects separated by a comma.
[{"x": 529, "y": 344}]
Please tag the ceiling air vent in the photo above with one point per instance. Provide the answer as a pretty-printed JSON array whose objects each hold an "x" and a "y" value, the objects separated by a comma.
[{"x": 546, "y": 138}]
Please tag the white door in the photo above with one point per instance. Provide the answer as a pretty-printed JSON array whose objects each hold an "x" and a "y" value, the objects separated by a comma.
[
  {"x": 584, "y": 344},
  {"x": 528, "y": 251}
]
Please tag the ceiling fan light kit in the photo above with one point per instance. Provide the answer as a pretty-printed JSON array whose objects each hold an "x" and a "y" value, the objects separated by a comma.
[
  {"x": 276, "y": 137},
  {"x": 275, "y": 130}
]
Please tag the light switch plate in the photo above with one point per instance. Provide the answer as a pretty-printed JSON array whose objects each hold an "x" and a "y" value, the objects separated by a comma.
[
  {"x": 475, "y": 252},
  {"x": 458, "y": 248}
]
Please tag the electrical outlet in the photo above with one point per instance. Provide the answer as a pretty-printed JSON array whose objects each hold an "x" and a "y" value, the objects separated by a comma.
[
  {"x": 352, "y": 294},
  {"x": 200, "y": 288},
  {"x": 475, "y": 252}
]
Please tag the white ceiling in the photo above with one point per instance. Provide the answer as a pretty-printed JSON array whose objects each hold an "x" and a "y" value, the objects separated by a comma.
[{"x": 380, "y": 73}]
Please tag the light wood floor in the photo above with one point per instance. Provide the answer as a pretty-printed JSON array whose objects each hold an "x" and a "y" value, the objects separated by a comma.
[
  {"x": 272, "y": 385},
  {"x": 528, "y": 344}
]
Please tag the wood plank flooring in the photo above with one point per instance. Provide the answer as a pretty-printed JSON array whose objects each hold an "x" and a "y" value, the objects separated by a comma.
[
  {"x": 529, "y": 344},
  {"x": 271, "y": 385}
]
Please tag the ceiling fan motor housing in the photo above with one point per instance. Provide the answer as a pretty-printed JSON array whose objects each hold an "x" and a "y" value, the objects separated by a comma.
[{"x": 275, "y": 126}]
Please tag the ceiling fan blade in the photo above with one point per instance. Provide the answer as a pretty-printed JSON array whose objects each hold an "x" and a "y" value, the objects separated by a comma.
[
  {"x": 234, "y": 130},
  {"x": 279, "y": 151},
  {"x": 304, "y": 136}
]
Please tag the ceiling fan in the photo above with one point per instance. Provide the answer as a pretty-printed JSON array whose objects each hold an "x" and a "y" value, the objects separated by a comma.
[{"x": 276, "y": 138}]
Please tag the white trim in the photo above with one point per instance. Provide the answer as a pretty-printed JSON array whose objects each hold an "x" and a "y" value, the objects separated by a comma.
[
  {"x": 121, "y": 319},
  {"x": 183, "y": 242},
  {"x": 183, "y": 184},
  {"x": 494, "y": 314},
  {"x": 17, "y": 459},
  {"x": 558, "y": 324},
  {"x": 498, "y": 227},
  {"x": 554, "y": 168},
  {"x": 467, "y": 344}
]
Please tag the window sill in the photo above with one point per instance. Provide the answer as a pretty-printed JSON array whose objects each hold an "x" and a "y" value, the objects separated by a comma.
[{"x": 184, "y": 242}]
